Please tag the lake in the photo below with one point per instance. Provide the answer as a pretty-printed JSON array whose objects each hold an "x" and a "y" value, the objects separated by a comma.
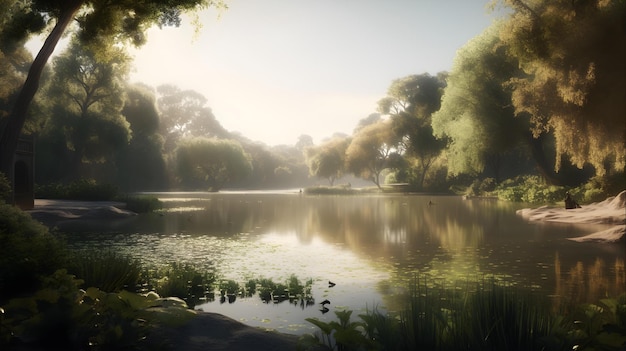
[{"x": 370, "y": 246}]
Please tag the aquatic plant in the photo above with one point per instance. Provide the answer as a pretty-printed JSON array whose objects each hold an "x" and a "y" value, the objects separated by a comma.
[
  {"x": 141, "y": 203},
  {"x": 181, "y": 280},
  {"x": 488, "y": 316},
  {"x": 106, "y": 270}
]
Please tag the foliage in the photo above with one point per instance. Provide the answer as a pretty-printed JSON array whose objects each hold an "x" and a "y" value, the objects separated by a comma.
[
  {"x": 82, "y": 189},
  {"x": 328, "y": 159},
  {"x": 488, "y": 316},
  {"x": 28, "y": 251},
  {"x": 211, "y": 163},
  {"x": 330, "y": 190},
  {"x": 85, "y": 128},
  {"x": 372, "y": 150},
  {"x": 572, "y": 54},
  {"x": 184, "y": 115},
  {"x": 141, "y": 164},
  {"x": 61, "y": 316},
  {"x": 533, "y": 189},
  {"x": 410, "y": 102},
  {"x": 183, "y": 281},
  {"x": 476, "y": 111},
  {"x": 105, "y": 270},
  {"x": 291, "y": 289},
  {"x": 141, "y": 203},
  {"x": 5, "y": 187}
]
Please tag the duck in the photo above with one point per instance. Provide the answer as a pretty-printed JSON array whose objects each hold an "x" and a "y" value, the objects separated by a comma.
[
  {"x": 331, "y": 284},
  {"x": 325, "y": 302}
]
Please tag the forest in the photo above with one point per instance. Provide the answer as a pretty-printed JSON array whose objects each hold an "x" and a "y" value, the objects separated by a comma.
[{"x": 536, "y": 99}]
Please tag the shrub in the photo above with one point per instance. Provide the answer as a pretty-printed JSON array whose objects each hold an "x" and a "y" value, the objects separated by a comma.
[
  {"x": 183, "y": 281},
  {"x": 142, "y": 204},
  {"x": 82, "y": 189},
  {"x": 108, "y": 271},
  {"x": 27, "y": 252},
  {"x": 5, "y": 187}
]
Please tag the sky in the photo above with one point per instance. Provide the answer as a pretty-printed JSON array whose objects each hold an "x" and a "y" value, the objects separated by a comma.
[{"x": 273, "y": 70}]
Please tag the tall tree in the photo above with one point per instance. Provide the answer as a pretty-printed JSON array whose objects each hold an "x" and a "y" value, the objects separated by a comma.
[
  {"x": 371, "y": 151},
  {"x": 410, "y": 102},
  {"x": 328, "y": 159},
  {"x": 141, "y": 164},
  {"x": 573, "y": 54},
  {"x": 110, "y": 22},
  {"x": 211, "y": 164},
  {"x": 476, "y": 113},
  {"x": 87, "y": 94},
  {"x": 184, "y": 114}
]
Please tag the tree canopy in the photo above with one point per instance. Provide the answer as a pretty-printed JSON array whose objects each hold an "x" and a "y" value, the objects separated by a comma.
[
  {"x": 101, "y": 22},
  {"x": 572, "y": 54}
]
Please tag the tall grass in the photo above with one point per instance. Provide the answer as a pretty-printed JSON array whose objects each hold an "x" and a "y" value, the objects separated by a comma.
[
  {"x": 481, "y": 316},
  {"x": 107, "y": 270}
]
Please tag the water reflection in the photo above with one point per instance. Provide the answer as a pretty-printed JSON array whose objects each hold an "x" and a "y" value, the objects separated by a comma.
[{"x": 372, "y": 246}]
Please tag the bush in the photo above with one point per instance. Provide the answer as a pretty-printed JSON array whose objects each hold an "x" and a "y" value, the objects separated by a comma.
[
  {"x": 108, "y": 271},
  {"x": 183, "y": 281},
  {"x": 142, "y": 204},
  {"x": 82, "y": 189},
  {"x": 5, "y": 187},
  {"x": 27, "y": 252}
]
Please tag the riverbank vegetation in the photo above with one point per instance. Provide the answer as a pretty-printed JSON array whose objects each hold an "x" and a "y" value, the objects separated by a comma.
[
  {"x": 480, "y": 316},
  {"x": 520, "y": 109}
]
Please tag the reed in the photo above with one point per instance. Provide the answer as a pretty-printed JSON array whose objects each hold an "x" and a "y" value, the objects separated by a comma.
[{"x": 107, "y": 270}]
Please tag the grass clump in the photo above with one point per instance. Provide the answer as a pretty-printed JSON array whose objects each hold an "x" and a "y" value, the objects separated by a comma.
[
  {"x": 487, "y": 316},
  {"x": 109, "y": 271},
  {"x": 82, "y": 189},
  {"x": 142, "y": 203}
]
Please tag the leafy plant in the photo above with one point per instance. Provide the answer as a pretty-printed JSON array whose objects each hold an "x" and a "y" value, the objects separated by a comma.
[
  {"x": 108, "y": 270},
  {"x": 142, "y": 203},
  {"x": 28, "y": 251}
]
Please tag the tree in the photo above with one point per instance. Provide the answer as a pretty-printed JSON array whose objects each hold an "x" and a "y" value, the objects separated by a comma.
[
  {"x": 184, "y": 114},
  {"x": 141, "y": 164},
  {"x": 410, "y": 102},
  {"x": 205, "y": 163},
  {"x": 328, "y": 159},
  {"x": 87, "y": 95},
  {"x": 476, "y": 113},
  {"x": 371, "y": 151},
  {"x": 572, "y": 54},
  {"x": 109, "y": 22}
]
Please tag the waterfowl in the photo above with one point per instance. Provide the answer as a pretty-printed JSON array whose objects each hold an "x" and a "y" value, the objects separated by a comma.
[
  {"x": 331, "y": 284},
  {"x": 325, "y": 302}
]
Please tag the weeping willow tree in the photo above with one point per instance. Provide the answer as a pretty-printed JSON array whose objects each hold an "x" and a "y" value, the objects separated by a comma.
[{"x": 572, "y": 53}]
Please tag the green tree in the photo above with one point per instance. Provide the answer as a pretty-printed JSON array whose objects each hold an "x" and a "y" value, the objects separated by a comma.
[
  {"x": 328, "y": 159},
  {"x": 204, "y": 163},
  {"x": 372, "y": 150},
  {"x": 87, "y": 95},
  {"x": 141, "y": 163},
  {"x": 572, "y": 54},
  {"x": 476, "y": 113},
  {"x": 184, "y": 114},
  {"x": 410, "y": 102},
  {"x": 105, "y": 22}
]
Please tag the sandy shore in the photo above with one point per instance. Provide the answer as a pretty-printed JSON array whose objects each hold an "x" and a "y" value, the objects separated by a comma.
[{"x": 610, "y": 211}]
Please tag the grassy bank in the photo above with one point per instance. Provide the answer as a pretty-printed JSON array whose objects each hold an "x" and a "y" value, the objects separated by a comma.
[{"x": 486, "y": 316}]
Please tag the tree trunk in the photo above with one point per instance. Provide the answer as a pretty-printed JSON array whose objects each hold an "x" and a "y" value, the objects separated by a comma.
[
  {"x": 543, "y": 166},
  {"x": 12, "y": 126}
]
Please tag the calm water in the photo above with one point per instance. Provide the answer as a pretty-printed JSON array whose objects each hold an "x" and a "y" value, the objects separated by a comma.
[{"x": 370, "y": 246}]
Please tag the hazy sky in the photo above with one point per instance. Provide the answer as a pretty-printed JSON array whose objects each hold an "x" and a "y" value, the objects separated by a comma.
[{"x": 275, "y": 69}]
